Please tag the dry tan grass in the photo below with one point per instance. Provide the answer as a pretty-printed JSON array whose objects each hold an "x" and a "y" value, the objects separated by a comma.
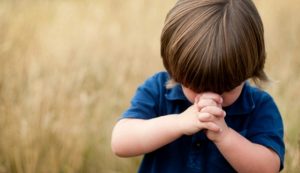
[{"x": 69, "y": 68}]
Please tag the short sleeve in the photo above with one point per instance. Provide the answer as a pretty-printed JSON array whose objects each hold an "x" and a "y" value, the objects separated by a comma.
[
  {"x": 144, "y": 104},
  {"x": 266, "y": 126}
]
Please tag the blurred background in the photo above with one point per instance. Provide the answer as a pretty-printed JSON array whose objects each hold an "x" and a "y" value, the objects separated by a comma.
[{"x": 68, "y": 69}]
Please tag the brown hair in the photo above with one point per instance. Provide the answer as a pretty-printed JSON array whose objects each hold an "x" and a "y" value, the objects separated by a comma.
[{"x": 213, "y": 45}]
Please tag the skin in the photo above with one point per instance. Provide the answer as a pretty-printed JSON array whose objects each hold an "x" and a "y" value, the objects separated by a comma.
[
  {"x": 231, "y": 144},
  {"x": 227, "y": 98},
  {"x": 128, "y": 137}
]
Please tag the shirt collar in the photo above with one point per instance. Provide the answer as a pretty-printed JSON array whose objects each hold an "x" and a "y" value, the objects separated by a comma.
[
  {"x": 175, "y": 93},
  {"x": 242, "y": 106}
]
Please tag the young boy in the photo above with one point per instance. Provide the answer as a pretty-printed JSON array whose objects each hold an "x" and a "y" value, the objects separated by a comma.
[{"x": 202, "y": 115}]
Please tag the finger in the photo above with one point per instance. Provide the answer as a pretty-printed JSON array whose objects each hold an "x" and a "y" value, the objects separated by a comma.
[
  {"x": 210, "y": 95},
  {"x": 211, "y": 126},
  {"x": 205, "y": 117},
  {"x": 206, "y": 102},
  {"x": 214, "y": 110},
  {"x": 196, "y": 106},
  {"x": 197, "y": 98}
]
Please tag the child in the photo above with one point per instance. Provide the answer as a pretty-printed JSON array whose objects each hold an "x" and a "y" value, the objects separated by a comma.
[{"x": 202, "y": 115}]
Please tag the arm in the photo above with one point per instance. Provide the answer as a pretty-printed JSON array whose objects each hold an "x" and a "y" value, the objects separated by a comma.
[
  {"x": 132, "y": 137},
  {"x": 245, "y": 156}
]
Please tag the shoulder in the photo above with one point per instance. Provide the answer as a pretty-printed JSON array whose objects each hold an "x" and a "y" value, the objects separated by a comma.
[
  {"x": 250, "y": 100},
  {"x": 152, "y": 98},
  {"x": 160, "y": 78},
  {"x": 156, "y": 83},
  {"x": 261, "y": 98},
  {"x": 265, "y": 124},
  {"x": 265, "y": 112},
  {"x": 146, "y": 101}
]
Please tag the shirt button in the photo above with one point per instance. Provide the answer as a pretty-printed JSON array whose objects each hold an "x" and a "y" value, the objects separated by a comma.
[{"x": 198, "y": 144}]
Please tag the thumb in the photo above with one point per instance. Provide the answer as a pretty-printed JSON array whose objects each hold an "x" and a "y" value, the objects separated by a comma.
[{"x": 196, "y": 100}]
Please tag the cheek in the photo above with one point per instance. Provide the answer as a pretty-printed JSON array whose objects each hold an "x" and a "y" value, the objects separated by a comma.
[
  {"x": 226, "y": 101},
  {"x": 231, "y": 97},
  {"x": 190, "y": 96}
]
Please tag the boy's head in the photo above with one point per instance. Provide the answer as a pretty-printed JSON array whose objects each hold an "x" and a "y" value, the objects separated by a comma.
[{"x": 213, "y": 45}]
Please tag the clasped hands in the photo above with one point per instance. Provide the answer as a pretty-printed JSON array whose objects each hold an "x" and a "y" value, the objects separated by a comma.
[{"x": 205, "y": 114}]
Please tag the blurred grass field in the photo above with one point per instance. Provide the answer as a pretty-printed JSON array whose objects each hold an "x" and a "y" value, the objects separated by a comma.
[{"x": 69, "y": 68}]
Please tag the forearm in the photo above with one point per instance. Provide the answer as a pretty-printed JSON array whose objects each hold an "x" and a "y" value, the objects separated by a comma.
[
  {"x": 132, "y": 137},
  {"x": 247, "y": 157}
]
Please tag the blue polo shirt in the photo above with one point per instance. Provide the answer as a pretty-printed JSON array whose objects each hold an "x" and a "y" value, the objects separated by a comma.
[{"x": 254, "y": 115}]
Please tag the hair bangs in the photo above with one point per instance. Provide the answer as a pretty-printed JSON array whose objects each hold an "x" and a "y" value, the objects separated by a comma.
[{"x": 214, "y": 47}]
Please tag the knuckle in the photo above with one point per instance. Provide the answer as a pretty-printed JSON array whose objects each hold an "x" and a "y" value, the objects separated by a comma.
[
  {"x": 204, "y": 109},
  {"x": 220, "y": 112},
  {"x": 213, "y": 102},
  {"x": 211, "y": 125},
  {"x": 207, "y": 116}
]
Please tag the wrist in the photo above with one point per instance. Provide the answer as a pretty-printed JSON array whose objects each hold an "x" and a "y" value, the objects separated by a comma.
[
  {"x": 224, "y": 136},
  {"x": 178, "y": 124}
]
